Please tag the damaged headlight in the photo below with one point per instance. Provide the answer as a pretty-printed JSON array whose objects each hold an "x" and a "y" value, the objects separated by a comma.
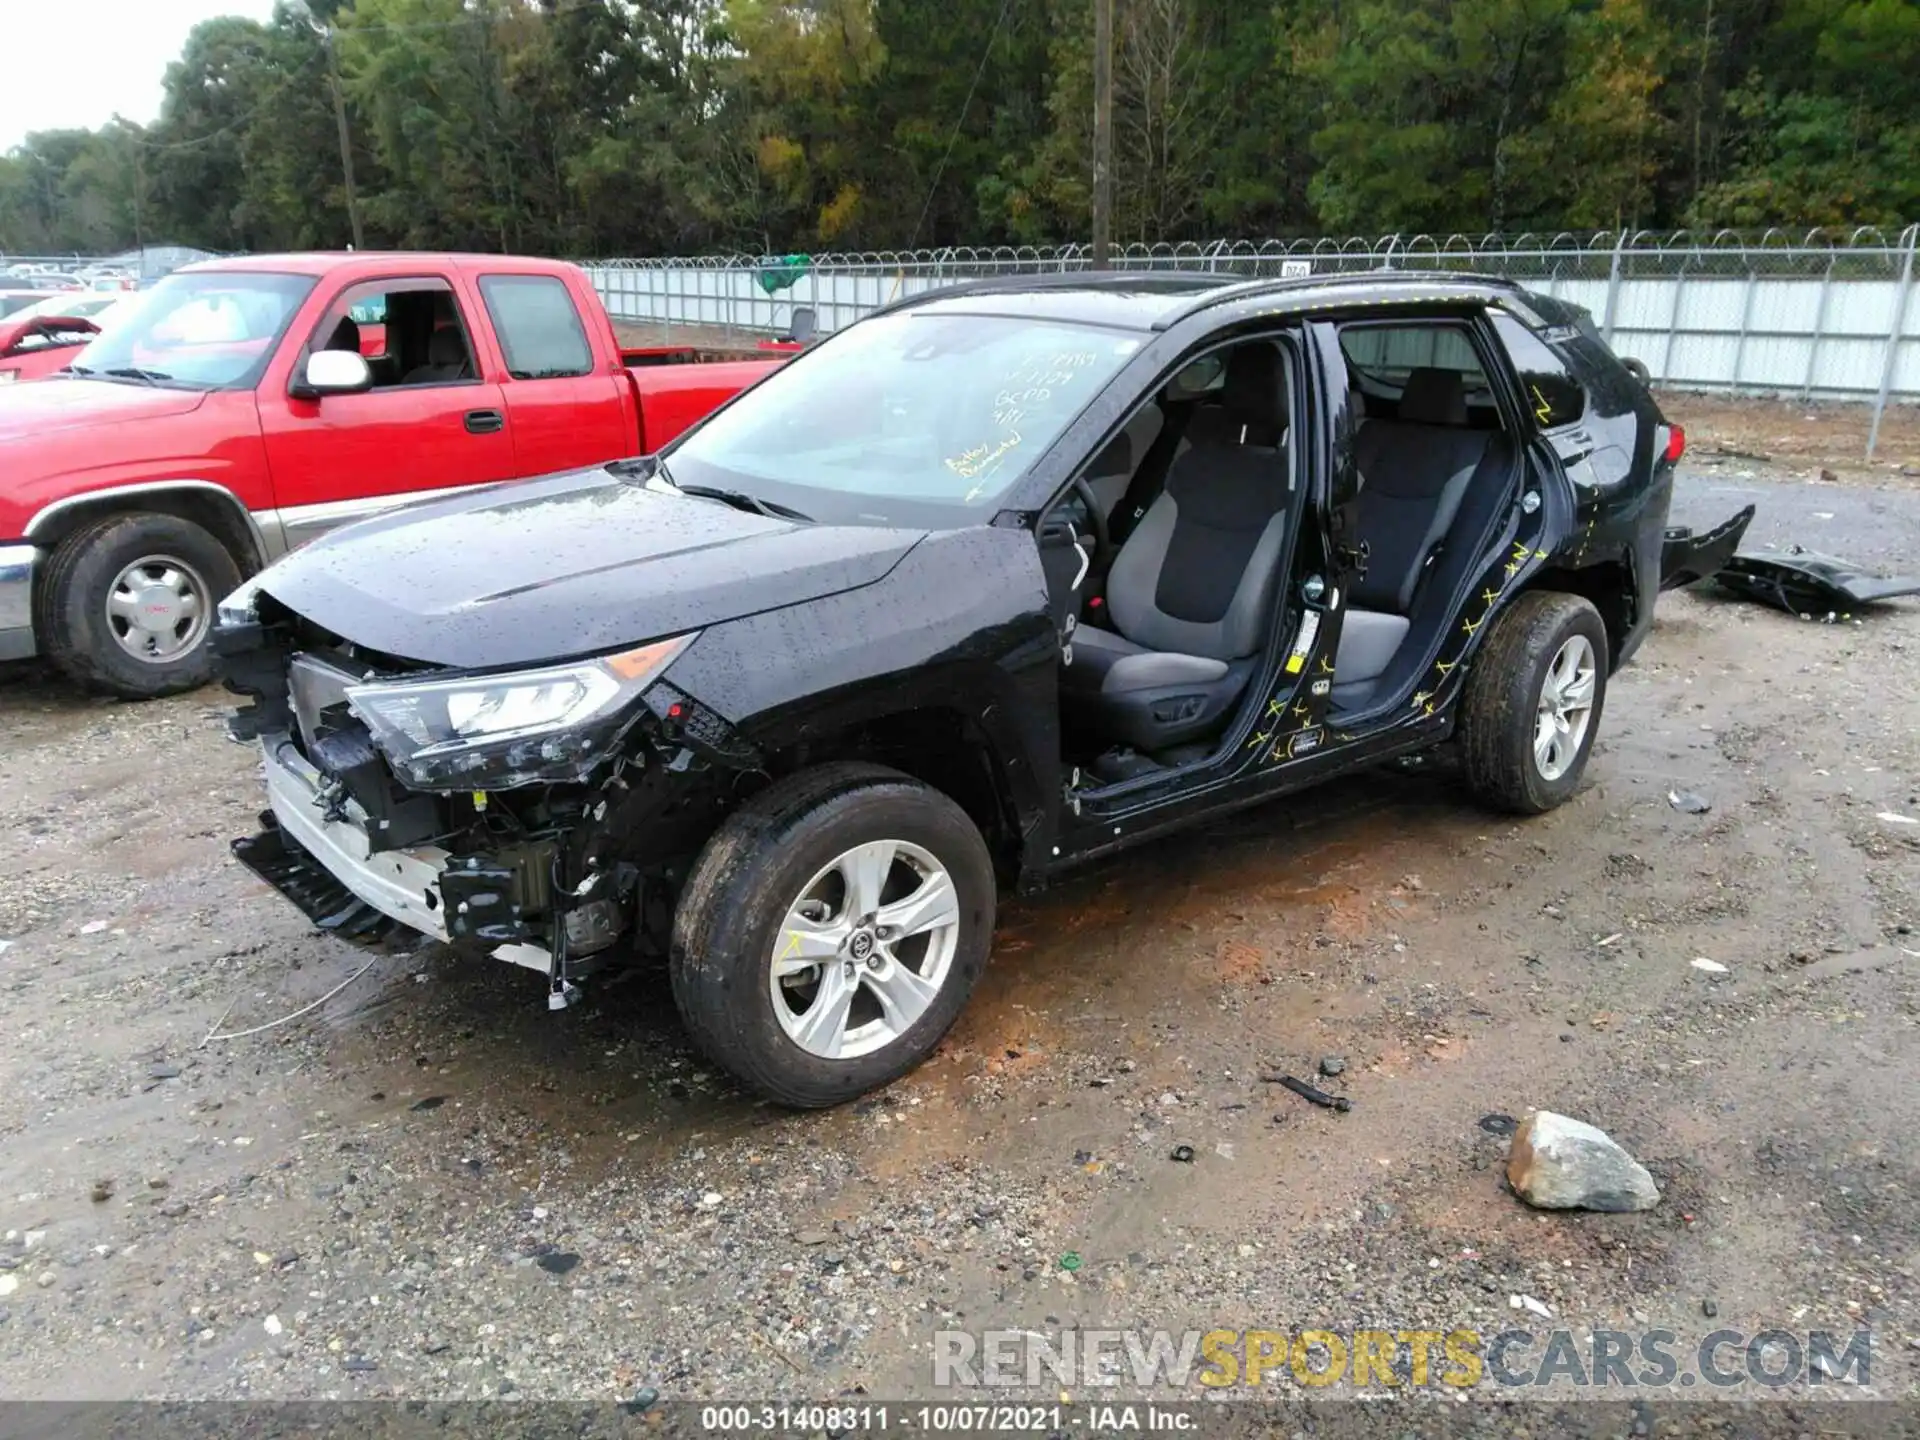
[{"x": 492, "y": 732}]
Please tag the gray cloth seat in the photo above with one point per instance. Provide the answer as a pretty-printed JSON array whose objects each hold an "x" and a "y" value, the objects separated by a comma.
[
  {"x": 1113, "y": 469},
  {"x": 1191, "y": 593},
  {"x": 1415, "y": 470},
  {"x": 447, "y": 359}
]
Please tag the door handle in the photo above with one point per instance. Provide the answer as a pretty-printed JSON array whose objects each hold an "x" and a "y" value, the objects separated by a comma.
[{"x": 485, "y": 422}]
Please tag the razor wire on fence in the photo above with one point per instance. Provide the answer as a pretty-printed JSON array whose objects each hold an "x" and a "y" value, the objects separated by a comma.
[
  {"x": 1814, "y": 314},
  {"x": 1827, "y": 314}
]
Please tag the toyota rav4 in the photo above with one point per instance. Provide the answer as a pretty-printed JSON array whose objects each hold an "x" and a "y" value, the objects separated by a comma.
[{"x": 994, "y": 581}]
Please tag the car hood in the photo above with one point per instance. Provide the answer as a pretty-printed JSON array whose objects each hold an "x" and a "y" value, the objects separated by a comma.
[
  {"x": 36, "y": 412},
  {"x": 59, "y": 436},
  {"x": 568, "y": 565}
]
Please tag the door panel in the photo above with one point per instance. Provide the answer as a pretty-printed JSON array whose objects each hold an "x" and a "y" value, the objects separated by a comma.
[
  {"x": 346, "y": 456},
  {"x": 427, "y": 426},
  {"x": 564, "y": 403}
]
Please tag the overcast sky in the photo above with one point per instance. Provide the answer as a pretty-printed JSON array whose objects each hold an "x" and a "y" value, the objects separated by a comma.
[{"x": 74, "y": 63}]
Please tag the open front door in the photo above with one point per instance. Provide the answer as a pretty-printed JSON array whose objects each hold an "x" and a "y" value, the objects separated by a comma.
[{"x": 1328, "y": 559}]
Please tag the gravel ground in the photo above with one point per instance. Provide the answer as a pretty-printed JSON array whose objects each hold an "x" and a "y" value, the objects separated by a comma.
[{"x": 430, "y": 1187}]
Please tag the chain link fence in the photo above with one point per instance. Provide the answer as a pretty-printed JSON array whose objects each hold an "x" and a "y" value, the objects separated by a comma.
[
  {"x": 1809, "y": 314},
  {"x": 1812, "y": 314}
]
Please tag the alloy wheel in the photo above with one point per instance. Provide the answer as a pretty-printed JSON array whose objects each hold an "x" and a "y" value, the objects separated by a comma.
[
  {"x": 864, "y": 950},
  {"x": 1566, "y": 708}
]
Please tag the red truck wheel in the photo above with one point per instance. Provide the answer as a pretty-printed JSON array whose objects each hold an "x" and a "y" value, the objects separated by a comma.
[{"x": 127, "y": 602}]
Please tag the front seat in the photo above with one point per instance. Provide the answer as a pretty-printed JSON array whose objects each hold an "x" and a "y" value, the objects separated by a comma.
[
  {"x": 446, "y": 359},
  {"x": 1191, "y": 593},
  {"x": 1415, "y": 469}
]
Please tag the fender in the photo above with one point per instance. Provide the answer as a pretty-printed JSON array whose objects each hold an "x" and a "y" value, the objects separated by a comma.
[
  {"x": 52, "y": 522},
  {"x": 870, "y": 653}
]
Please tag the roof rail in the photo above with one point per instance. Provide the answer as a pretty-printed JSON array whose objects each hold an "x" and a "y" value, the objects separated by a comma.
[
  {"x": 1464, "y": 282},
  {"x": 1056, "y": 280}
]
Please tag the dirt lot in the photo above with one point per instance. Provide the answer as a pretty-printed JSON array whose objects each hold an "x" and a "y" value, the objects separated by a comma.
[{"x": 431, "y": 1187}]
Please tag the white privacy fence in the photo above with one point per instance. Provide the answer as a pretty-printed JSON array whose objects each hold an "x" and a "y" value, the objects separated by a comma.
[{"x": 1815, "y": 315}]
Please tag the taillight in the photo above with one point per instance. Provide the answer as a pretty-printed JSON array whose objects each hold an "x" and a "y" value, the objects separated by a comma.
[{"x": 1676, "y": 443}]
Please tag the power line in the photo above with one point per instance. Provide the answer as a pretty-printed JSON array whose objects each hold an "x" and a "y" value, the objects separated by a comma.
[{"x": 965, "y": 105}]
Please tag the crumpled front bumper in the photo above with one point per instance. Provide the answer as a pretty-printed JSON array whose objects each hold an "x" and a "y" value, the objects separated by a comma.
[
  {"x": 315, "y": 851},
  {"x": 403, "y": 885},
  {"x": 18, "y": 564}
]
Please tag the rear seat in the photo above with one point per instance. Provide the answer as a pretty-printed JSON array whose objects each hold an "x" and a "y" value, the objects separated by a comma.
[{"x": 1415, "y": 471}]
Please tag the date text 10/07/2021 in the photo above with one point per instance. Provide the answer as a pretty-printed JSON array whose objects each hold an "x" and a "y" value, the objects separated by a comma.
[{"x": 945, "y": 1419}]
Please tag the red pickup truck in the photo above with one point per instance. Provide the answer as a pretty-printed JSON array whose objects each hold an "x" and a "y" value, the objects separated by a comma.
[{"x": 248, "y": 405}]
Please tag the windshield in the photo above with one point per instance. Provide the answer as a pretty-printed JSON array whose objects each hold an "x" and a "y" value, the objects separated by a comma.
[
  {"x": 905, "y": 418},
  {"x": 210, "y": 330}
]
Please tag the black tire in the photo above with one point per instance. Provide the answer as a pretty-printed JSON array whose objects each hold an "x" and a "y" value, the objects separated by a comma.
[
  {"x": 71, "y": 613},
  {"x": 1500, "y": 706},
  {"x": 756, "y": 866}
]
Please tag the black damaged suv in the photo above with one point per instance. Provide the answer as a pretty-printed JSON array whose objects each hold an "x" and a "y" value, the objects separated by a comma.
[{"x": 996, "y": 580}]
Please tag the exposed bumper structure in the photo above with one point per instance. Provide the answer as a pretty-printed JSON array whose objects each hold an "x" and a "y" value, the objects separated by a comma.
[
  {"x": 317, "y": 854},
  {"x": 403, "y": 885},
  {"x": 18, "y": 564},
  {"x": 1688, "y": 557}
]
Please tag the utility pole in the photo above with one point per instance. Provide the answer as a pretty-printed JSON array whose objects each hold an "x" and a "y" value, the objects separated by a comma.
[
  {"x": 1102, "y": 131},
  {"x": 346, "y": 139}
]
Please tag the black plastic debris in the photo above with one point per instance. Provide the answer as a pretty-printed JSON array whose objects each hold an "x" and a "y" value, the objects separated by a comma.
[
  {"x": 1182, "y": 1153},
  {"x": 1687, "y": 558},
  {"x": 1310, "y": 1093},
  {"x": 431, "y": 1102},
  {"x": 558, "y": 1262},
  {"x": 1499, "y": 1124},
  {"x": 1802, "y": 582}
]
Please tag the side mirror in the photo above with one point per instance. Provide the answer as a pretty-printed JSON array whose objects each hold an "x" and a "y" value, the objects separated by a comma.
[{"x": 333, "y": 372}]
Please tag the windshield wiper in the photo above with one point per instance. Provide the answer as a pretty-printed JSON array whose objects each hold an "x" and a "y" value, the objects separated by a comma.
[
  {"x": 741, "y": 500},
  {"x": 134, "y": 372}
]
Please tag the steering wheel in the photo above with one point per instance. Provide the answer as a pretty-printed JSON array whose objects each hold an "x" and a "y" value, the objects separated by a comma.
[{"x": 1096, "y": 518}]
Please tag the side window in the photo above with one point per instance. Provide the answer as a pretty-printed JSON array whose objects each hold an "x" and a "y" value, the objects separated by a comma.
[
  {"x": 1384, "y": 357},
  {"x": 411, "y": 332},
  {"x": 539, "y": 328},
  {"x": 1552, "y": 393},
  {"x": 1390, "y": 353}
]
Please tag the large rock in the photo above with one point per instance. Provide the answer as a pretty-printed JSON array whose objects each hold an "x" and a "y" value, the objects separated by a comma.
[{"x": 1562, "y": 1164}]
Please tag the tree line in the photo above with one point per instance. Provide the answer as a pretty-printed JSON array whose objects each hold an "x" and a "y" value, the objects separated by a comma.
[{"x": 637, "y": 127}]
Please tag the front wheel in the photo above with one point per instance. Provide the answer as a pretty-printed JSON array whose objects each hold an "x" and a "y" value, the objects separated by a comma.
[
  {"x": 831, "y": 931},
  {"x": 1532, "y": 702},
  {"x": 127, "y": 602}
]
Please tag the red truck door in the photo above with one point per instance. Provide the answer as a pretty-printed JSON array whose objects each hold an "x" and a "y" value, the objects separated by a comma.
[
  {"x": 565, "y": 400},
  {"x": 431, "y": 422}
]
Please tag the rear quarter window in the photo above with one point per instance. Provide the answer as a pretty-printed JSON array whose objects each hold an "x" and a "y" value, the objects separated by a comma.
[
  {"x": 539, "y": 327},
  {"x": 1552, "y": 394}
]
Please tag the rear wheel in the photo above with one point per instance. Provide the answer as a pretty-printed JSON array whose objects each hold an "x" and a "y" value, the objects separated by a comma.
[
  {"x": 831, "y": 932},
  {"x": 1532, "y": 703},
  {"x": 127, "y": 602}
]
